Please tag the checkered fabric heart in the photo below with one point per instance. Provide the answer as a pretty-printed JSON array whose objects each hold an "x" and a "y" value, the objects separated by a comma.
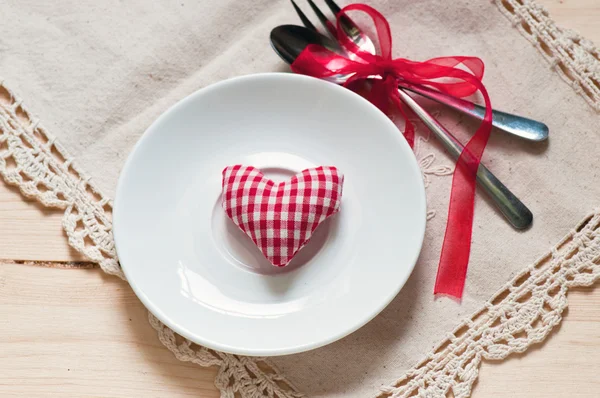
[{"x": 281, "y": 217}]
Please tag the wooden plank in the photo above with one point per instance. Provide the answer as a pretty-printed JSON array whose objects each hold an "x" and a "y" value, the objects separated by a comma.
[
  {"x": 565, "y": 365},
  {"x": 78, "y": 332},
  {"x": 582, "y": 16},
  {"x": 29, "y": 231}
]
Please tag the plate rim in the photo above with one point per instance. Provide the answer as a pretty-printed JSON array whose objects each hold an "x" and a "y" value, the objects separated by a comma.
[{"x": 184, "y": 332}]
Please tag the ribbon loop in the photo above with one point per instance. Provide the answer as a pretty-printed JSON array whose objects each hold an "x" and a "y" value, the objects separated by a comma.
[{"x": 383, "y": 73}]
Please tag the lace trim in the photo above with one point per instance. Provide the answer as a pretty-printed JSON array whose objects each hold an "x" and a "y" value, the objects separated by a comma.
[
  {"x": 575, "y": 58},
  {"x": 521, "y": 314},
  {"x": 250, "y": 377},
  {"x": 32, "y": 160}
]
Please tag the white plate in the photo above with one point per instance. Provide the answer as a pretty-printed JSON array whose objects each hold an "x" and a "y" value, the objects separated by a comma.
[{"x": 195, "y": 271}]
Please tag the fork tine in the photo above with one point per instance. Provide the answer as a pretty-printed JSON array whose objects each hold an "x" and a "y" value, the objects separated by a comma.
[
  {"x": 322, "y": 18},
  {"x": 351, "y": 29},
  {"x": 335, "y": 9},
  {"x": 303, "y": 17},
  {"x": 348, "y": 25}
]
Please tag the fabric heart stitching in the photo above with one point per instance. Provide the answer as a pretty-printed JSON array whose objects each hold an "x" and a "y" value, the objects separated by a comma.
[{"x": 280, "y": 218}]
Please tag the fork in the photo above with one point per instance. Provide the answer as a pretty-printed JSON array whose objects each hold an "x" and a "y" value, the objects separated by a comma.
[
  {"x": 509, "y": 205},
  {"x": 516, "y": 125}
]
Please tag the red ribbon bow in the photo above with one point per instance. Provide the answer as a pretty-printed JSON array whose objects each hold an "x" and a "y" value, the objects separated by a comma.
[{"x": 384, "y": 73}]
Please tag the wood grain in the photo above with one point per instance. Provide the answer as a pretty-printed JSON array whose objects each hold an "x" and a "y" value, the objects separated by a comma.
[
  {"x": 77, "y": 332},
  {"x": 582, "y": 16},
  {"x": 28, "y": 231},
  {"x": 565, "y": 365}
]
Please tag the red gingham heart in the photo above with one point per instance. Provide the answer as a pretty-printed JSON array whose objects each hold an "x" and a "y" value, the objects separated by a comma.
[{"x": 280, "y": 218}]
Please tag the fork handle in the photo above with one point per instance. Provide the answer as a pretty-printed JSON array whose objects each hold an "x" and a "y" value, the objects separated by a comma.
[
  {"x": 509, "y": 205},
  {"x": 513, "y": 124}
]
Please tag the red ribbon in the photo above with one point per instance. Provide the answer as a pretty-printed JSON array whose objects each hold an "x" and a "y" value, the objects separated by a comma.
[{"x": 384, "y": 73}]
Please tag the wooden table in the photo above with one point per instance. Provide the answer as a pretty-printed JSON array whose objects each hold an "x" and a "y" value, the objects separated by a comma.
[{"x": 78, "y": 332}]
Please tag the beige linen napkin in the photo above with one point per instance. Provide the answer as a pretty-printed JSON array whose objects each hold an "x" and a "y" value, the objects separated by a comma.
[{"x": 98, "y": 73}]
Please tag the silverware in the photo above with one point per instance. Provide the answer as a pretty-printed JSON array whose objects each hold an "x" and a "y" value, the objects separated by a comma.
[
  {"x": 288, "y": 41},
  {"x": 509, "y": 205},
  {"x": 516, "y": 125}
]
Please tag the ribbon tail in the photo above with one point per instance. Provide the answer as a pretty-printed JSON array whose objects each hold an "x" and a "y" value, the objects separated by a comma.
[{"x": 456, "y": 249}]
